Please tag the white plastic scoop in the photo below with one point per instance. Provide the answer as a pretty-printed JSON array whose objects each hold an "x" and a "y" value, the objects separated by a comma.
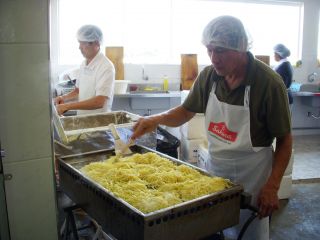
[{"x": 120, "y": 147}]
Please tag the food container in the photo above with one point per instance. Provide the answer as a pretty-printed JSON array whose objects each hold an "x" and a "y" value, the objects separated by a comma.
[
  {"x": 120, "y": 86},
  {"x": 73, "y": 126}
]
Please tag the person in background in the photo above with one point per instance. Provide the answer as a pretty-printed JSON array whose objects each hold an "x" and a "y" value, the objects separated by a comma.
[
  {"x": 284, "y": 68},
  {"x": 245, "y": 108},
  {"x": 94, "y": 80}
]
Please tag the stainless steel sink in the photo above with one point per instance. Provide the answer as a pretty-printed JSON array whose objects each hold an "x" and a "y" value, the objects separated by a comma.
[
  {"x": 148, "y": 88},
  {"x": 310, "y": 87},
  {"x": 311, "y": 101}
]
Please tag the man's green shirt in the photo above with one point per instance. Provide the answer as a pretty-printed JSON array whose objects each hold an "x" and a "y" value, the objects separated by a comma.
[{"x": 269, "y": 108}]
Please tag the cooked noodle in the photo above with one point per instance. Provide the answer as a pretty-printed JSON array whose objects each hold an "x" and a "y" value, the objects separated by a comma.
[{"x": 150, "y": 182}]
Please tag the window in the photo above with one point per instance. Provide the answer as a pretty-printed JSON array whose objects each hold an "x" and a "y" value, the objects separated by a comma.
[
  {"x": 318, "y": 41},
  {"x": 158, "y": 31},
  {"x": 107, "y": 14}
]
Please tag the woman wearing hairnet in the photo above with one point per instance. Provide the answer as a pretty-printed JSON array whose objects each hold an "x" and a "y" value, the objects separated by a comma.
[
  {"x": 284, "y": 68},
  {"x": 94, "y": 80},
  {"x": 245, "y": 108}
]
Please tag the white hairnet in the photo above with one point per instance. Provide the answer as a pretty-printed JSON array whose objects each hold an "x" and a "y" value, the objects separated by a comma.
[
  {"x": 89, "y": 33},
  {"x": 282, "y": 50},
  {"x": 227, "y": 32}
]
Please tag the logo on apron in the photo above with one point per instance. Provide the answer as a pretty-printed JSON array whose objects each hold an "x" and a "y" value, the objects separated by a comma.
[{"x": 220, "y": 129}]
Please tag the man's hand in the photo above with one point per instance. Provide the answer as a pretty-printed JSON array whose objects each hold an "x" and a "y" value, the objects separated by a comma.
[
  {"x": 143, "y": 126},
  {"x": 268, "y": 201},
  {"x": 172, "y": 118},
  {"x": 268, "y": 198},
  {"x": 61, "y": 109},
  {"x": 58, "y": 100}
]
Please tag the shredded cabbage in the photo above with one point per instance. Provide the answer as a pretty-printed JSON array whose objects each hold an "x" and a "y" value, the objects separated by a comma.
[{"x": 149, "y": 182}]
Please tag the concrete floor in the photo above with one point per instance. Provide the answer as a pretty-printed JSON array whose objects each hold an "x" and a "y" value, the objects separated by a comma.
[
  {"x": 299, "y": 217},
  {"x": 306, "y": 157}
]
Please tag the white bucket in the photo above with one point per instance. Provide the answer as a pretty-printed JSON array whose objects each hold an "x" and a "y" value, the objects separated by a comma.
[{"x": 120, "y": 86}]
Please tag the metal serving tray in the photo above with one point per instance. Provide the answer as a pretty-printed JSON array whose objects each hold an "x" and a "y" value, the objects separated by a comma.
[
  {"x": 73, "y": 127},
  {"x": 190, "y": 220}
]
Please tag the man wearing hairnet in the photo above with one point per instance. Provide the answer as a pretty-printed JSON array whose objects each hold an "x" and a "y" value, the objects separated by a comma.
[
  {"x": 94, "y": 80},
  {"x": 246, "y": 107},
  {"x": 284, "y": 68}
]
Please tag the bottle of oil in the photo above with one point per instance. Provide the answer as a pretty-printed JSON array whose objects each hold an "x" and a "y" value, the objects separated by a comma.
[{"x": 165, "y": 83}]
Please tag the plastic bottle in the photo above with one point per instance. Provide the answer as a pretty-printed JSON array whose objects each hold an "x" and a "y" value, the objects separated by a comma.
[{"x": 165, "y": 83}]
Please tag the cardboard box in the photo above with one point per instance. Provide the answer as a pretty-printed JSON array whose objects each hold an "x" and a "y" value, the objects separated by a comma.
[
  {"x": 203, "y": 156},
  {"x": 189, "y": 149},
  {"x": 195, "y": 128},
  {"x": 285, "y": 187},
  {"x": 289, "y": 168},
  {"x": 290, "y": 165}
]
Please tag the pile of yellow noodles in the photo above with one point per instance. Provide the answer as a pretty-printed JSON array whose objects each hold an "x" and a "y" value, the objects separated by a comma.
[{"x": 149, "y": 182}]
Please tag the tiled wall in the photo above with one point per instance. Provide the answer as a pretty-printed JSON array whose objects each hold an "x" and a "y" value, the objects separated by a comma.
[{"x": 25, "y": 123}]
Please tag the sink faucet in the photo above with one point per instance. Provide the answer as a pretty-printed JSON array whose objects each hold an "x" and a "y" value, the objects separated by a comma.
[
  {"x": 144, "y": 76},
  {"x": 312, "y": 77}
]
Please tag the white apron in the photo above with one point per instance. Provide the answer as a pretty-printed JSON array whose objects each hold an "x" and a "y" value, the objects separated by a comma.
[{"x": 234, "y": 157}]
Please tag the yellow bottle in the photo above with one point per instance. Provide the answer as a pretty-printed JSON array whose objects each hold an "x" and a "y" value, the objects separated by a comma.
[{"x": 165, "y": 83}]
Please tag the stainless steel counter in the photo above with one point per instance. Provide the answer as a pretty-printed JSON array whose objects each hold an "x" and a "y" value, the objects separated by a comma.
[
  {"x": 168, "y": 94},
  {"x": 178, "y": 94},
  {"x": 306, "y": 94}
]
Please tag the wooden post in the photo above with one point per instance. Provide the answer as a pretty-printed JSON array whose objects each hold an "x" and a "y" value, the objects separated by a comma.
[
  {"x": 189, "y": 70},
  {"x": 263, "y": 58},
  {"x": 115, "y": 54}
]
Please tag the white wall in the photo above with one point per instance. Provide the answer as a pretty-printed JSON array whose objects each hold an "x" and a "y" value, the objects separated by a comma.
[{"x": 309, "y": 41}]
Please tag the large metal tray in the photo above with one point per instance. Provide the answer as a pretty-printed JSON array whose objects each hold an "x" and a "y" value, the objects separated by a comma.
[
  {"x": 94, "y": 122},
  {"x": 190, "y": 220},
  {"x": 72, "y": 128}
]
